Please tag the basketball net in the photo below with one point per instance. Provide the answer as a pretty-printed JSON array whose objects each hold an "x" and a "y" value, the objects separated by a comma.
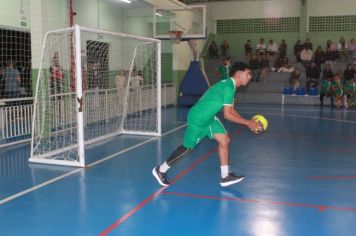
[{"x": 176, "y": 36}]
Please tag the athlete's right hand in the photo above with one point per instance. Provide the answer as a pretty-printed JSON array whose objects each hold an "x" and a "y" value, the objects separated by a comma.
[{"x": 254, "y": 126}]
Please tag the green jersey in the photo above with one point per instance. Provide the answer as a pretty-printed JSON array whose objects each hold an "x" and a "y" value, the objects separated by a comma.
[
  {"x": 224, "y": 71},
  {"x": 325, "y": 86},
  {"x": 219, "y": 95}
]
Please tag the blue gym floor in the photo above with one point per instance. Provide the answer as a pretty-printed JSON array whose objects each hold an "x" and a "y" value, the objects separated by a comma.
[{"x": 300, "y": 180}]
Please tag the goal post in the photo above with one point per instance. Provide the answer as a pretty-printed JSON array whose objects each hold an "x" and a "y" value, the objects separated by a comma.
[{"x": 93, "y": 85}]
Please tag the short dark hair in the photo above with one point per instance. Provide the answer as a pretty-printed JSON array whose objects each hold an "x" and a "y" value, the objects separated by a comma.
[{"x": 238, "y": 66}]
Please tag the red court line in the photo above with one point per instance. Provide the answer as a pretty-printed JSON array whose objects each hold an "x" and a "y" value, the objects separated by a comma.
[
  {"x": 236, "y": 199},
  {"x": 150, "y": 198},
  {"x": 331, "y": 177}
]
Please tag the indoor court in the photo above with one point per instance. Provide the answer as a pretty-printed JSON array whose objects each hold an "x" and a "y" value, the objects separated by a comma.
[{"x": 103, "y": 97}]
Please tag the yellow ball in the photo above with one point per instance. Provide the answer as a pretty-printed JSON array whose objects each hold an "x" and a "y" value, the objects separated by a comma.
[{"x": 262, "y": 120}]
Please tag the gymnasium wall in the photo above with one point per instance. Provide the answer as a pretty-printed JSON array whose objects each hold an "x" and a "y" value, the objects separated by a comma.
[{"x": 319, "y": 20}]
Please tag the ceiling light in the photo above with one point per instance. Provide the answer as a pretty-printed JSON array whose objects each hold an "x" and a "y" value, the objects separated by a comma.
[
  {"x": 158, "y": 14},
  {"x": 127, "y": 1}
]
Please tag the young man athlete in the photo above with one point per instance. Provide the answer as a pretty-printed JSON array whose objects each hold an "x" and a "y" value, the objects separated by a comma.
[{"x": 202, "y": 122}]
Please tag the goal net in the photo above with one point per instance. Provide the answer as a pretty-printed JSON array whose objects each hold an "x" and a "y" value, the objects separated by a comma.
[{"x": 93, "y": 85}]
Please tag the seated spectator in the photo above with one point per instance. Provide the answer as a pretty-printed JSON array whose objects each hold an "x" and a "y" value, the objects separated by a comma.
[
  {"x": 225, "y": 49},
  {"x": 213, "y": 50},
  {"x": 352, "y": 48},
  {"x": 264, "y": 67},
  {"x": 224, "y": 69},
  {"x": 248, "y": 49},
  {"x": 349, "y": 89},
  {"x": 336, "y": 89},
  {"x": 298, "y": 47},
  {"x": 282, "y": 48},
  {"x": 349, "y": 74},
  {"x": 294, "y": 78},
  {"x": 12, "y": 79},
  {"x": 261, "y": 47},
  {"x": 319, "y": 57},
  {"x": 325, "y": 91},
  {"x": 313, "y": 75},
  {"x": 342, "y": 48},
  {"x": 272, "y": 48},
  {"x": 255, "y": 66},
  {"x": 281, "y": 62},
  {"x": 331, "y": 53},
  {"x": 306, "y": 56},
  {"x": 327, "y": 72},
  {"x": 308, "y": 44}
]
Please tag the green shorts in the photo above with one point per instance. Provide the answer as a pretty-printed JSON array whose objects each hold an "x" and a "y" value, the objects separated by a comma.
[{"x": 194, "y": 134}]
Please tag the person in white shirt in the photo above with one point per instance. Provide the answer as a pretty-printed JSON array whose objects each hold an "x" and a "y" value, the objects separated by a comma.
[
  {"x": 136, "y": 80},
  {"x": 272, "y": 48},
  {"x": 342, "y": 47},
  {"x": 306, "y": 56},
  {"x": 261, "y": 47}
]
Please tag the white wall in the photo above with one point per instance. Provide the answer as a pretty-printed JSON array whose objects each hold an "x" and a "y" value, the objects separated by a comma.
[
  {"x": 13, "y": 12},
  {"x": 331, "y": 7}
]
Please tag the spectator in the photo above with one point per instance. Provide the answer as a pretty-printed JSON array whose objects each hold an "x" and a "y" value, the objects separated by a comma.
[
  {"x": 298, "y": 47},
  {"x": 327, "y": 72},
  {"x": 282, "y": 48},
  {"x": 95, "y": 76},
  {"x": 272, "y": 48},
  {"x": 136, "y": 80},
  {"x": 224, "y": 69},
  {"x": 294, "y": 78},
  {"x": 120, "y": 80},
  {"x": 319, "y": 57},
  {"x": 308, "y": 44},
  {"x": 57, "y": 76},
  {"x": 331, "y": 53},
  {"x": 254, "y": 66},
  {"x": 281, "y": 62},
  {"x": 306, "y": 57},
  {"x": 343, "y": 49},
  {"x": 337, "y": 90},
  {"x": 261, "y": 47},
  {"x": 349, "y": 74},
  {"x": 225, "y": 49},
  {"x": 213, "y": 50},
  {"x": 313, "y": 75},
  {"x": 264, "y": 67},
  {"x": 352, "y": 48},
  {"x": 325, "y": 91},
  {"x": 349, "y": 89},
  {"x": 12, "y": 79},
  {"x": 248, "y": 49}
]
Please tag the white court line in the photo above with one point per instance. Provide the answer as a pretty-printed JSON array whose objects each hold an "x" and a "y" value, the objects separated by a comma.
[
  {"x": 12, "y": 197},
  {"x": 291, "y": 109},
  {"x": 310, "y": 117}
]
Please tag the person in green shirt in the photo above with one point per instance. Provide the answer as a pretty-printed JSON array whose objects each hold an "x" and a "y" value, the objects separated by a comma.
[
  {"x": 202, "y": 122},
  {"x": 336, "y": 89},
  {"x": 223, "y": 70},
  {"x": 349, "y": 88},
  {"x": 325, "y": 91}
]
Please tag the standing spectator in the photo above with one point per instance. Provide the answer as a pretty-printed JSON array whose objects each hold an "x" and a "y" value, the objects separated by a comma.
[
  {"x": 136, "y": 80},
  {"x": 343, "y": 49},
  {"x": 57, "y": 76},
  {"x": 264, "y": 67},
  {"x": 12, "y": 79},
  {"x": 313, "y": 75},
  {"x": 213, "y": 50},
  {"x": 224, "y": 69},
  {"x": 352, "y": 48},
  {"x": 319, "y": 57},
  {"x": 120, "y": 80},
  {"x": 261, "y": 47},
  {"x": 95, "y": 76},
  {"x": 272, "y": 48},
  {"x": 308, "y": 44},
  {"x": 298, "y": 47},
  {"x": 248, "y": 49},
  {"x": 294, "y": 78},
  {"x": 349, "y": 74},
  {"x": 255, "y": 66},
  {"x": 306, "y": 56},
  {"x": 282, "y": 48},
  {"x": 331, "y": 53},
  {"x": 225, "y": 49}
]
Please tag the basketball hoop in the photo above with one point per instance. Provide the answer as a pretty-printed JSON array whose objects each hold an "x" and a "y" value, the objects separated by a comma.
[{"x": 176, "y": 36}]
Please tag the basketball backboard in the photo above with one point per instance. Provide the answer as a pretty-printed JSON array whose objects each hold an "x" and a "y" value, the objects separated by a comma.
[{"x": 191, "y": 20}]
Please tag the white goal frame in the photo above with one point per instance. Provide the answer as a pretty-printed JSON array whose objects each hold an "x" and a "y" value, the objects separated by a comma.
[{"x": 79, "y": 97}]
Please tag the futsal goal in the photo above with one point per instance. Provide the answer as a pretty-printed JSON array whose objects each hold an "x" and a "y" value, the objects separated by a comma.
[{"x": 93, "y": 85}]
